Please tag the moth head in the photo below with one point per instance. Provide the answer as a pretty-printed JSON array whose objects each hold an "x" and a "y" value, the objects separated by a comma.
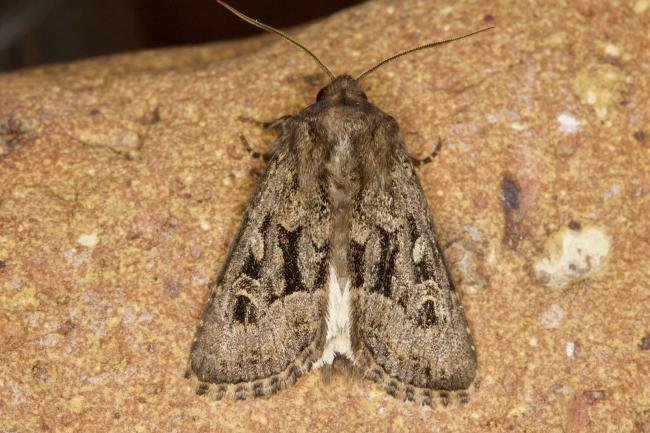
[
  {"x": 343, "y": 87},
  {"x": 327, "y": 70}
]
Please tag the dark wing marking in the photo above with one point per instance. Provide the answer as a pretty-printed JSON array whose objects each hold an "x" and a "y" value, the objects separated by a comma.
[
  {"x": 262, "y": 326},
  {"x": 409, "y": 328}
]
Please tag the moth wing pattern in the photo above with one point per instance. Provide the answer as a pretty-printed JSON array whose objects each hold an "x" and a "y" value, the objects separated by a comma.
[
  {"x": 409, "y": 328},
  {"x": 262, "y": 326}
]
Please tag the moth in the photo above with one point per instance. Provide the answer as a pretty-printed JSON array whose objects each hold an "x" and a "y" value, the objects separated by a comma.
[{"x": 336, "y": 257}]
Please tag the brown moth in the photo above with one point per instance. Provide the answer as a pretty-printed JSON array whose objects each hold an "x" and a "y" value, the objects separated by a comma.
[{"x": 336, "y": 256}]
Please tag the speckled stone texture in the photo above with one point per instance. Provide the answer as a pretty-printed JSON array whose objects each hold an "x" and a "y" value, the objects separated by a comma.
[{"x": 123, "y": 179}]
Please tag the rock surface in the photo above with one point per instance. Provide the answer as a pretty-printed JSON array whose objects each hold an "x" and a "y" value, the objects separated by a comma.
[{"x": 122, "y": 181}]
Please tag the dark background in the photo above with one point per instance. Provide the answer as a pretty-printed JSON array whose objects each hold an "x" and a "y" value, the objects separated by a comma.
[{"x": 34, "y": 32}]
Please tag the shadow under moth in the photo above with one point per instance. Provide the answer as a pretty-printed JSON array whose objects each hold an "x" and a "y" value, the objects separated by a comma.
[{"x": 336, "y": 257}]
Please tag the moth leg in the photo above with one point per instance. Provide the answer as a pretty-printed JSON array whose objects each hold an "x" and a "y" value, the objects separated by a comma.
[
  {"x": 273, "y": 124},
  {"x": 265, "y": 156},
  {"x": 277, "y": 123},
  {"x": 418, "y": 162}
]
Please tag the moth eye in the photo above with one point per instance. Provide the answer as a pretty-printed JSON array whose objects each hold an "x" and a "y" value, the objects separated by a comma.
[
  {"x": 245, "y": 311},
  {"x": 321, "y": 94},
  {"x": 427, "y": 314}
]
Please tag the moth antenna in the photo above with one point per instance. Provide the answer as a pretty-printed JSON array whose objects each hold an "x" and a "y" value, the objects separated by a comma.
[
  {"x": 421, "y": 47},
  {"x": 279, "y": 33}
]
